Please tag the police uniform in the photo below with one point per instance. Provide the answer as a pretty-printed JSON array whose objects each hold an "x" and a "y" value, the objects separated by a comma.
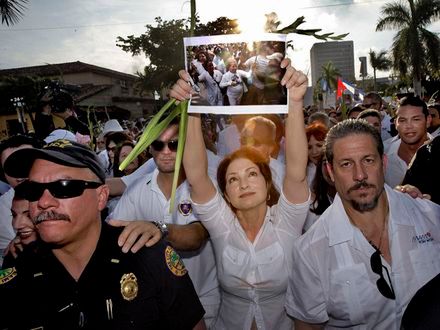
[{"x": 147, "y": 290}]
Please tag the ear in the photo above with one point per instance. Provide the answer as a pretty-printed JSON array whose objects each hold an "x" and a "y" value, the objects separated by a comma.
[
  {"x": 329, "y": 168},
  {"x": 428, "y": 120},
  {"x": 103, "y": 193}
]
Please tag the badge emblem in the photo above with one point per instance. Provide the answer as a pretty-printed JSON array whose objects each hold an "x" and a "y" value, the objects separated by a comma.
[
  {"x": 174, "y": 263},
  {"x": 7, "y": 274},
  {"x": 129, "y": 286},
  {"x": 185, "y": 208}
]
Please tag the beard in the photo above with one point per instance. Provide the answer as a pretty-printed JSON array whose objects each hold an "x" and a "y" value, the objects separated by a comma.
[{"x": 365, "y": 206}]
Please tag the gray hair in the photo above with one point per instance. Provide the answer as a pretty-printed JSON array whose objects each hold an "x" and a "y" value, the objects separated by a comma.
[{"x": 350, "y": 127}]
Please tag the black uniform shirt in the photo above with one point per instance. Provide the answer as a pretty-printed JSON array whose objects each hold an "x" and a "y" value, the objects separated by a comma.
[{"x": 147, "y": 290}]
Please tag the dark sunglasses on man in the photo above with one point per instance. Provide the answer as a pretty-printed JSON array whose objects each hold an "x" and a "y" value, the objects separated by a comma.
[
  {"x": 377, "y": 267},
  {"x": 32, "y": 191},
  {"x": 160, "y": 145}
]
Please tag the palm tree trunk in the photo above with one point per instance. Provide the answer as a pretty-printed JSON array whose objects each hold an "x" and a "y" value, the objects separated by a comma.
[
  {"x": 374, "y": 79},
  {"x": 417, "y": 83}
]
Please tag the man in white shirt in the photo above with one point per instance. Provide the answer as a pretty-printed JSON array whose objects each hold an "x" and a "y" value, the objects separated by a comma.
[
  {"x": 149, "y": 199},
  {"x": 374, "y": 101},
  {"x": 412, "y": 122},
  {"x": 370, "y": 251}
]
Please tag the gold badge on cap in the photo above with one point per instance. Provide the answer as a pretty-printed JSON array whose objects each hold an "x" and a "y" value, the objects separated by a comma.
[
  {"x": 174, "y": 263},
  {"x": 129, "y": 286}
]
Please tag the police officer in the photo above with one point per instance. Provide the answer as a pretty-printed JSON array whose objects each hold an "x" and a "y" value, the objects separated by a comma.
[{"x": 76, "y": 276}]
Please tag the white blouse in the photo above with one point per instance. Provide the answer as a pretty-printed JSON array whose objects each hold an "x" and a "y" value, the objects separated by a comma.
[{"x": 253, "y": 276}]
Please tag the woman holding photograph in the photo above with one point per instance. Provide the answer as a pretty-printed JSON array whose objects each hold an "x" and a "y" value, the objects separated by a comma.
[{"x": 252, "y": 234}]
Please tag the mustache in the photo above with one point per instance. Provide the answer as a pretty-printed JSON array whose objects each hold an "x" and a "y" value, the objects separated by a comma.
[
  {"x": 361, "y": 184},
  {"x": 50, "y": 215}
]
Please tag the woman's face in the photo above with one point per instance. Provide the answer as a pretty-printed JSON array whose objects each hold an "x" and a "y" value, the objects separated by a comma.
[
  {"x": 246, "y": 187},
  {"x": 111, "y": 148},
  {"x": 21, "y": 221},
  {"x": 315, "y": 150},
  {"x": 125, "y": 150}
]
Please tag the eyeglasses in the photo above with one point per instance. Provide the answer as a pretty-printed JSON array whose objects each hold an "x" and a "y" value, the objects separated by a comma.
[
  {"x": 382, "y": 285},
  {"x": 32, "y": 191},
  {"x": 160, "y": 145}
]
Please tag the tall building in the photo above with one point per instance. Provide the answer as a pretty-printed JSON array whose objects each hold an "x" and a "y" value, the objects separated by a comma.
[{"x": 340, "y": 53}]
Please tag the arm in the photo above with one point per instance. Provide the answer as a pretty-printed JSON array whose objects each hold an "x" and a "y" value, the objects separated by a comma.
[
  {"x": 187, "y": 237},
  {"x": 195, "y": 160},
  {"x": 295, "y": 186},
  {"x": 300, "y": 325},
  {"x": 226, "y": 81}
]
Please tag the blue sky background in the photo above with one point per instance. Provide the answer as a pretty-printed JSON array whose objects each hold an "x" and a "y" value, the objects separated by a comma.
[{"x": 80, "y": 30}]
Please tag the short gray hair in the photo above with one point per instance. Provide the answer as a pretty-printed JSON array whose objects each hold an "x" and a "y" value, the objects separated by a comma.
[{"x": 350, "y": 127}]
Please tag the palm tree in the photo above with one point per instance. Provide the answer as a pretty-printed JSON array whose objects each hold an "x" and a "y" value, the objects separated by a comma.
[
  {"x": 12, "y": 10},
  {"x": 379, "y": 61},
  {"x": 415, "y": 49},
  {"x": 329, "y": 77}
]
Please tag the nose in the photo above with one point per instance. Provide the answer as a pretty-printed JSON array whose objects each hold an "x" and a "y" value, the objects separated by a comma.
[
  {"x": 243, "y": 183},
  {"x": 359, "y": 172},
  {"x": 46, "y": 200}
]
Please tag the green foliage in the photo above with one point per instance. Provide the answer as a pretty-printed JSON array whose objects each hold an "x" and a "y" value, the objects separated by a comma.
[
  {"x": 379, "y": 61},
  {"x": 415, "y": 50},
  {"x": 330, "y": 74},
  {"x": 12, "y": 11}
]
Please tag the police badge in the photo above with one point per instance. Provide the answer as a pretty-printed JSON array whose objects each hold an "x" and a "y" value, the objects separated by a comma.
[
  {"x": 185, "y": 208},
  {"x": 129, "y": 286}
]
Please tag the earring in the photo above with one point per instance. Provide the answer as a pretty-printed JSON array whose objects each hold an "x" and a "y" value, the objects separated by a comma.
[{"x": 268, "y": 197}]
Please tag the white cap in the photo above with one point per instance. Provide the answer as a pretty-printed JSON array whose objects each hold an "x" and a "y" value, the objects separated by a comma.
[
  {"x": 111, "y": 126},
  {"x": 60, "y": 134}
]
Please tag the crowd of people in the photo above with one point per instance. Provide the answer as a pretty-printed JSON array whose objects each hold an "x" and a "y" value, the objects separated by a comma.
[
  {"x": 232, "y": 74},
  {"x": 311, "y": 220}
]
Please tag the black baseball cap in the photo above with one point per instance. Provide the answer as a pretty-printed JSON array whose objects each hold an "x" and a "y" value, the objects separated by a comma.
[{"x": 63, "y": 152}]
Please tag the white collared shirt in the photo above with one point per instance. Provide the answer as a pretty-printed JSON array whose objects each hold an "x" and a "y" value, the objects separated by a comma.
[
  {"x": 253, "y": 276},
  {"x": 143, "y": 200},
  {"x": 332, "y": 280},
  {"x": 7, "y": 233}
]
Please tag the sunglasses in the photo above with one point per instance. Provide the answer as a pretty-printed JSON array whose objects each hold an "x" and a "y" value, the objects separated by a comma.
[
  {"x": 160, "y": 145},
  {"x": 382, "y": 285},
  {"x": 32, "y": 191}
]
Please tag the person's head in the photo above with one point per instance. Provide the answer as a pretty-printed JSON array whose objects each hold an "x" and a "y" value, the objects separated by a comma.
[
  {"x": 356, "y": 163},
  {"x": 316, "y": 134},
  {"x": 434, "y": 111},
  {"x": 372, "y": 101},
  {"x": 321, "y": 117},
  {"x": 210, "y": 67},
  {"x": 202, "y": 57},
  {"x": 164, "y": 148},
  {"x": 111, "y": 126},
  {"x": 373, "y": 117},
  {"x": 22, "y": 222},
  {"x": 259, "y": 133},
  {"x": 354, "y": 112},
  {"x": 231, "y": 65},
  {"x": 412, "y": 120},
  {"x": 8, "y": 147},
  {"x": 245, "y": 179},
  {"x": 120, "y": 154},
  {"x": 113, "y": 141},
  {"x": 66, "y": 191}
]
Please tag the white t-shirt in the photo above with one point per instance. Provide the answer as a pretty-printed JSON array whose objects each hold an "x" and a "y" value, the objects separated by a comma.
[
  {"x": 332, "y": 280},
  {"x": 143, "y": 200},
  {"x": 253, "y": 276}
]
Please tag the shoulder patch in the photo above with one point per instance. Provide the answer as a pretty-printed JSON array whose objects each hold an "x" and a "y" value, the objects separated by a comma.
[
  {"x": 174, "y": 263},
  {"x": 185, "y": 208},
  {"x": 7, "y": 274}
]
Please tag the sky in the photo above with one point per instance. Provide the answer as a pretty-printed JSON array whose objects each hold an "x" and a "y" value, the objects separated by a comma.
[{"x": 82, "y": 30}]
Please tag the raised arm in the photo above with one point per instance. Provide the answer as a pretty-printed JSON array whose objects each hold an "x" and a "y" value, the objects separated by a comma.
[
  {"x": 295, "y": 186},
  {"x": 195, "y": 160}
]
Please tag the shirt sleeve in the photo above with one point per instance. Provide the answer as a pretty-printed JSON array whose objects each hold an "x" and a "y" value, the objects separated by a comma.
[
  {"x": 178, "y": 300},
  {"x": 215, "y": 215},
  {"x": 305, "y": 300}
]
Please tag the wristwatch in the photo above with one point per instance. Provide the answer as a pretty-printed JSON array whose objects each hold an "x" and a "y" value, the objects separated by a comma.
[{"x": 162, "y": 226}]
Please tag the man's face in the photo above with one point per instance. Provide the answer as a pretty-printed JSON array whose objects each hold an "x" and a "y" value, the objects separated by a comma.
[
  {"x": 369, "y": 103},
  {"x": 357, "y": 171},
  {"x": 411, "y": 124},
  {"x": 165, "y": 158},
  {"x": 375, "y": 122},
  {"x": 66, "y": 221},
  {"x": 260, "y": 139},
  {"x": 13, "y": 182},
  {"x": 435, "y": 119}
]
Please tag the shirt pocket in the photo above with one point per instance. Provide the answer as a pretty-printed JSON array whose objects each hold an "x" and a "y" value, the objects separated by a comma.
[
  {"x": 351, "y": 294},
  {"x": 272, "y": 265},
  {"x": 234, "y": 261},
  {"x": 426, "y": 262}
]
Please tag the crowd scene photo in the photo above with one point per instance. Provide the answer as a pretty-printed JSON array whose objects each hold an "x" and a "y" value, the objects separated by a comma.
[
  {"x": 314, "y": 219},
  {"x": 241, "y": 73}
]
